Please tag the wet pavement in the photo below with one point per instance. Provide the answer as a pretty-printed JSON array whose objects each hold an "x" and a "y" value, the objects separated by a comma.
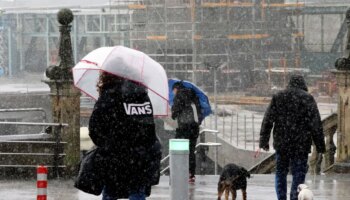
[{"x": 260, "y": 187}]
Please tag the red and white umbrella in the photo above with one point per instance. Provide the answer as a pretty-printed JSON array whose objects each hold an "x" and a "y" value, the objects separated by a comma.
[{"x": 126, "y": 63}]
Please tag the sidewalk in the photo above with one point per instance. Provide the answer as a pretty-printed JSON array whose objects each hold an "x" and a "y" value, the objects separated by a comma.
[{"x": 260, "y": 187}]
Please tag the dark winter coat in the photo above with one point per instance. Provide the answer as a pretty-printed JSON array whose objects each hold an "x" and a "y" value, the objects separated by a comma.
[
  {"x": 122, "y": 126},
  {"x": 295, "y": 119},
  {"x": 182, "y": 109}
]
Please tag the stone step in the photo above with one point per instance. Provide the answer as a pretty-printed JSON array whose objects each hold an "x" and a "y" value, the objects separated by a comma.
[
  {"x": 29, "y": 146},
  {"x": 18, "y": 159}
]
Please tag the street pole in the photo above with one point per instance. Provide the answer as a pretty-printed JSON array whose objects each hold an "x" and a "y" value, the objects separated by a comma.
[
  {"x": 215, "y": 99},
  {"x": 216, "y": 120}
]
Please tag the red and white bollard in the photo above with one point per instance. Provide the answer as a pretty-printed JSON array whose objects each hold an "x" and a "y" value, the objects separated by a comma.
[{"x": 41, "y": 183}]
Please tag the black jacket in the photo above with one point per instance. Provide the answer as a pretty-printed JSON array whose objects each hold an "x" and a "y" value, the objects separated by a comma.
[
  {"x": 183, "y": 111},
  {"x": 122, "y": 126},
  {"x": 295, "y": 119}
]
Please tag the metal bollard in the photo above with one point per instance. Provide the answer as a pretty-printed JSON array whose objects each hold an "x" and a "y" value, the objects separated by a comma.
[
  {"x": 41, "y": 183},
  {"x": 179, "y": 164}
]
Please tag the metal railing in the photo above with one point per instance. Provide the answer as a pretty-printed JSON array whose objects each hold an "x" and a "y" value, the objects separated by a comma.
[
  {"x": 42, "y": 110},
  {"x": 200, "y": 144},
  {"x": 27, "y": 110},
  {"x": 54, "y": 128},
  {"x": 238, "y": 128}
]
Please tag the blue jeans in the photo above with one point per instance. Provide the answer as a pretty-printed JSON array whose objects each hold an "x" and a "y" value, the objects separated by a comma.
[
  {"x": 299, "y": 169},
  {"x": 134, "y": 195}
]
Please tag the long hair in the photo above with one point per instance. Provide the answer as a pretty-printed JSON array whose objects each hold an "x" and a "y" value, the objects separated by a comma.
[{"x": 108, "y": 81}]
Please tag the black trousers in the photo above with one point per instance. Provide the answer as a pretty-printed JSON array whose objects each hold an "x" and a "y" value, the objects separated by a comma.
[{"x": 190, "y": 132}]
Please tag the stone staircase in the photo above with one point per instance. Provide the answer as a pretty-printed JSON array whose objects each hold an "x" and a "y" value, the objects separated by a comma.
[
  {"x": 20, "y": 154},
  {"x": 19, "y": 159}
]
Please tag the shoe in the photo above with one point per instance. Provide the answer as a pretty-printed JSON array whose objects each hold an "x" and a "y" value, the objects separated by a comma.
[{"x": 192, "y": 179}]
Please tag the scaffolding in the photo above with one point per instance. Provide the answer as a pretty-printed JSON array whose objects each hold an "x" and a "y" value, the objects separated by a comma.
[
  {"x": 191, "y": 37},
  {"x": 248, "y": 39}
]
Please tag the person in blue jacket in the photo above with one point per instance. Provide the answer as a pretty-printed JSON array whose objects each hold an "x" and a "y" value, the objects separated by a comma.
[{"x": 186, "y": 110}]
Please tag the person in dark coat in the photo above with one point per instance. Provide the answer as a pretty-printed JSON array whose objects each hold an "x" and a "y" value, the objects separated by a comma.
[
  {"x": 296, "y": 122},
  {"x": 122, "y": 126},
  {"x": 186, "y": 110}
]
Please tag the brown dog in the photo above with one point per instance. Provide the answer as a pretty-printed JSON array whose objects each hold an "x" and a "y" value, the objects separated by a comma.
[{"x": 233, "y": 178}]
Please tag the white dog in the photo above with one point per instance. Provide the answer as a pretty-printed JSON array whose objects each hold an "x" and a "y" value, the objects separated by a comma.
[{"x": 305, "y": 193}]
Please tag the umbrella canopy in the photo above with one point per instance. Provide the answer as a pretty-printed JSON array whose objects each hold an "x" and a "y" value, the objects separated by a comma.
[
  {"x": 127, "y": 63},
  {"x": 203, "y": 98}
]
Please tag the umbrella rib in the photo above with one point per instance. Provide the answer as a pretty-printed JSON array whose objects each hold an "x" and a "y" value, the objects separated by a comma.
[
  {"x": 157, "y": 93},
  {"x": 143, "y": 66},
  {"x": 91, "y": 96},
  {"x": 89, "y": 62}
]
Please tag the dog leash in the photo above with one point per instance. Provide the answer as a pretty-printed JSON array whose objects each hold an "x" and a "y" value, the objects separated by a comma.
[{"x": 257, "y": 155}]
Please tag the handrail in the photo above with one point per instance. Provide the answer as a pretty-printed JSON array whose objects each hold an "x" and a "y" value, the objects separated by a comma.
[
  {"x": 34, "y": 124},
  {"x": 198, "y": 145},
  {"x": 42, "y": 110},
  {"x": 200, "y": 132},
  {"x": 56, "y": 129},
  {"x": 215, "y": 144},
  {"x": 24, "y": 137},
  {"x": 208, "y": 131},
  {"x": 12, "y": 110},
  {"x": 165, "y": 169},
  {"x": 165, "y": 158}
]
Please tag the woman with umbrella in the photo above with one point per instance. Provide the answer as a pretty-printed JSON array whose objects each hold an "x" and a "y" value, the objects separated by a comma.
[
  {"x": 126, "y": 138},
  {"x": 131, "y": 89}
]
